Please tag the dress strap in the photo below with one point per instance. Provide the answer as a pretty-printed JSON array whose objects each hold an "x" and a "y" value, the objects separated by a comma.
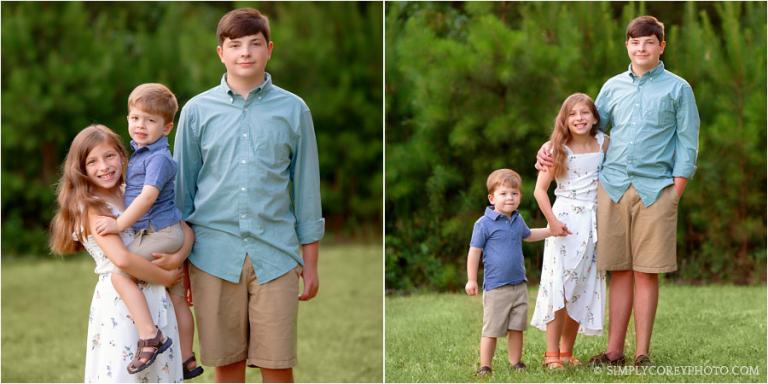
[{"x": 600, "y": 136}]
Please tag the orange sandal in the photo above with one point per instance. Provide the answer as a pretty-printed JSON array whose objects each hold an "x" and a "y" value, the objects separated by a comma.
[
  {"x": 552, "y": 360},
  {"x": 568, "y": 359}
]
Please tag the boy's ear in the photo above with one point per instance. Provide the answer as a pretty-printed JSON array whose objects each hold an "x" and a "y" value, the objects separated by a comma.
[
  {"x": 167, "y": 129},
  {"x": 490, "y": 198}
]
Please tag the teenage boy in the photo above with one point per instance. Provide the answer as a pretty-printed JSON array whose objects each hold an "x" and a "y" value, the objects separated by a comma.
[
  {"x": 249, "y": 186},
  {"x": 654, "y": 145},
  {"x": 498, "y": 237}
]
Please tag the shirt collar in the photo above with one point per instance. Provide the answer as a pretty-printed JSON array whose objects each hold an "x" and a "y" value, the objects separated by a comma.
[
  {"x": 161, "y": 143},
  {"x": 493, "y": 214},
  {"x": 261, "y": 88},
  {"x": 657, "y": 70}
]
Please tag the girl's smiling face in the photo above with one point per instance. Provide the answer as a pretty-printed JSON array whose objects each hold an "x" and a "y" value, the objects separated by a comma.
[
  {"x": 581, "y": 120},
  {"x": 104, "y": 166}
]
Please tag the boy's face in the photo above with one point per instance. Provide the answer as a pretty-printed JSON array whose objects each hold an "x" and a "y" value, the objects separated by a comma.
[
  {"x": 103, "y": 166},
  {"x": 505, "y": 199},
  {"x": 645, "y": 51},
  {"x": 246, "y": 57},
  {"x": 146, "y": 128}
]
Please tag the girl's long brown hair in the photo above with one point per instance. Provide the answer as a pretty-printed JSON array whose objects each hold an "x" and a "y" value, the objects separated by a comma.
[
  {"x": 74, "y": 197},
  {"x": 561, "y": 134}
]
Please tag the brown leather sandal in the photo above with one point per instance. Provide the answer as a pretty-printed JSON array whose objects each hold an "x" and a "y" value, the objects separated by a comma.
[
  {"x": 552, "y": 360},
  {"x": 568, "y": 359},
  {"x": 602, "y": 359},
  {"x": 145, "y": 356}
]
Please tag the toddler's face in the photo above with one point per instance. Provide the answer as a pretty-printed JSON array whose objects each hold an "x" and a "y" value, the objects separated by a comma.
[
  {"x": 103, "y": 166},
  {"x": 505, "y": 199},
  {"x": 146, "y": 128}
]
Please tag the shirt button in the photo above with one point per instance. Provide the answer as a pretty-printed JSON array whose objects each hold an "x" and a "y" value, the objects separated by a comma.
[
  {"x": 245, "y": 135},
  {"x": 243, "y": 161},
  {"x": 242, "y": 189},
  {"x": 242, "y": 216},
  {"x": 246, "y": 239}
]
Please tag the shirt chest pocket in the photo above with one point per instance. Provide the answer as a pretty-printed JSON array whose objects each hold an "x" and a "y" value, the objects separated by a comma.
[
  {"x": 272, "y": 145},
  {"x": 666, "y": 111},
  {"x": 508, "y": 237},
  {"x": 137, "y": 170}
]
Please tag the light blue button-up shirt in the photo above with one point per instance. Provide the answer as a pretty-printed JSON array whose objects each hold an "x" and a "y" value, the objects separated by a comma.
[
  {"x": 248, "y": 180},
  {"x": 655, "y": 132}
]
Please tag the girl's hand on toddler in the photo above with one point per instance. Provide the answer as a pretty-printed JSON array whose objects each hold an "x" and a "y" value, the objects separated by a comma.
[
  {"x": 557, "y": 228},
  {"x": 167, "y": 261},
  {"x": 173, "y": 276},
  {"x": 471, "y": 288},
  {"x": 106, "y": 225}
]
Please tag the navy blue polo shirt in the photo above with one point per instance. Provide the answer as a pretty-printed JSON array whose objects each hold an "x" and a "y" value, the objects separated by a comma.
[
  {"x": 501, "y": 239},
  {"x": 153, "y": 165}
]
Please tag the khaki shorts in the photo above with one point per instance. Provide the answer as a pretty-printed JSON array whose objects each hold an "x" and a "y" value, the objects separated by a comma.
[
  {"x": 505, "y": 309},
  {"x": 246, "y": 320},
  {"x": 634, "y": 237},
  {"x": 166, "y": 240}
]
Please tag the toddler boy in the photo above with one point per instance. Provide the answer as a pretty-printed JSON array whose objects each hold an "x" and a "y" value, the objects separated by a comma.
[{"x": 498, "y": 236}]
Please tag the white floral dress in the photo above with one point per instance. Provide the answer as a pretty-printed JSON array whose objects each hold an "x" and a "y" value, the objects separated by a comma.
[
  {"x": 569, "y": 275},
  {"x": 112, "y": 335}
]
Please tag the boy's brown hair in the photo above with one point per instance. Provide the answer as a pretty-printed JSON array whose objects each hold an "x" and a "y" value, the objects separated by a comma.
[
  {"x": 645, "y": 26},
  {"x": 156, "y": 99},
  {"x": 504, "y": 176},
  {"x": 242, "y": 22}
]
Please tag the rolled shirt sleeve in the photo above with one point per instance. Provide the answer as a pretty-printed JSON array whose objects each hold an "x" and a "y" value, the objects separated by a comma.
[
  {"x": 305, "y": 175},
  {"x": 687, "y": 135}
]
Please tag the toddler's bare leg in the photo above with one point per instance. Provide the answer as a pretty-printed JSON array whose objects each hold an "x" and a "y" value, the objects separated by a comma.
[
  {"x": 136, "y": 303},
  {"x": 487, "y": 349},
  {"x": 514, "y": 346},
  {"x": 186, "y": 325}
]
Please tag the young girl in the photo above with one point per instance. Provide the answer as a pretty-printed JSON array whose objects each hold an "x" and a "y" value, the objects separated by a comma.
[
  {"x": 572, "y": 291},
  {"x": 91, "y": 186}
]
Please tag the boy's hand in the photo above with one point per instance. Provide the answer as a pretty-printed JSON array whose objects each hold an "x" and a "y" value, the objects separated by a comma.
[
  {"x": 471, "y": 288},
  {"x": 106, "y": 225},
  {"x": 557, "y": 228},
  {"x": 311, "y": 282},
  {"x": 544, "y": 160},
  {"x": 679, "y": 186}
]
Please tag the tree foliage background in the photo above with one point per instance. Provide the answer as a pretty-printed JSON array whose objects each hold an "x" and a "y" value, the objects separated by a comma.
[
  {"x": 472, "y": 87},
  {"x": 66, "y": 65}
]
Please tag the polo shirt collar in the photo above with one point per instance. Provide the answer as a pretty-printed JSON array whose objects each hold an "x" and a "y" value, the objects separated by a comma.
[
  {"x": 261, "y": 88},
  {"x": 493, "y": 214},
  {"x": 160, "y": 144},
  {"x": 657, "y": 70}
]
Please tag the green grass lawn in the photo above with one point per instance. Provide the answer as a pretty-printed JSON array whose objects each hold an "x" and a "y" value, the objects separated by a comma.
[
  {"x": 45, "y": 318},
  {"x": 717, "y": 330}
]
